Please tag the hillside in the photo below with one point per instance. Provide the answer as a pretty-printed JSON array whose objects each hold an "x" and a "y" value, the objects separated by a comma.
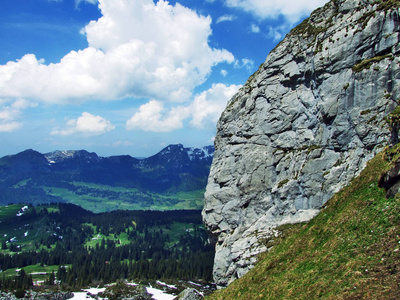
[
  {"x": 174, "y": 178},
  {"x": 350, "y": 250},
  {"x": 79, "y": 248},
  {"x": 302, "y": 127}
]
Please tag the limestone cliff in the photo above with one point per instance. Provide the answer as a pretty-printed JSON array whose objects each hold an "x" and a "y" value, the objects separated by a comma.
[{"x": 302, "y": 127}]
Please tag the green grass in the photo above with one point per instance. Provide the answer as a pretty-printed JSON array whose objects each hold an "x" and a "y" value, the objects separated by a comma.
[
  {"x": 9, "y": 211},
  {"x": 176, "y": 230},
  {"x": 97, "y": 238},
  {"x": 12, "y": 226},
  {"x": 51, "y": 209},
  {"x": 190, "y": 200},
  {"x": 105, "y": 187},
  {"x": 171, "y": 201},
  {"x": 350, "y": 250},
  {"x": 367, "y": 63},
  {"x": 22, "y": 183},
  {"x": 38, "y": 272},
  {"x": 69, "y": 195}
]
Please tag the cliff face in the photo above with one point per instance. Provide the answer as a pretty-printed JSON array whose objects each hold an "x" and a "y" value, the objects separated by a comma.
[{"x": 302, "y": 127}]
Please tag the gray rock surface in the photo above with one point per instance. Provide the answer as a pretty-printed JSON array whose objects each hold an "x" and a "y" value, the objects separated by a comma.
[
  {"x": 302, "y": 127},
  {"x": 28, "y": 295},
  {"x": 189, "y": 294}
]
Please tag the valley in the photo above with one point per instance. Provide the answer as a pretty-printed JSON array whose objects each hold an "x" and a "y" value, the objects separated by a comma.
[
  {"x": 174, "y": 178},
  {"x": 71, "y": 220},
  {"x": 65, "y": 247}
]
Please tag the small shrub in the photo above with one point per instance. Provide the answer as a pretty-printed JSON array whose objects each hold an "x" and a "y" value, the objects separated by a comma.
[
  {"x": 367, "y": 63},
  {"x": 282, "y": 183}
]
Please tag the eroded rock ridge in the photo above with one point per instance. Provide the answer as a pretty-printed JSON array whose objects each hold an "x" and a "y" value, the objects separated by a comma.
[{"x": 302, "y": 127}]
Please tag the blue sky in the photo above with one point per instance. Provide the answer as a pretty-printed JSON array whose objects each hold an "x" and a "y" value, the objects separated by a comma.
[{"x": 129, "y": 76}]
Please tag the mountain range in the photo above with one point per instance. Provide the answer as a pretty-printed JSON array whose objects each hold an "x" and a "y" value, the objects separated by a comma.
[{"x": 61, "y": 176}]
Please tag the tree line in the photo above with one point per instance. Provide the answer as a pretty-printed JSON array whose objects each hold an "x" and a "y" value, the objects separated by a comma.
[{"x": 150, "y": 251}]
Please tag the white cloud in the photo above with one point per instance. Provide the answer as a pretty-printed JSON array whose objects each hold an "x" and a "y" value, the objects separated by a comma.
[
  {"x": 10, "y": 127},
  {"x": 136, "y": 49},
  {"x": 6, "y": 114},
  {"x": 278, "y": 32},
  {"x": 86, "y": 124},
  {"x": 153, "y": 117},
  {"x": 225, "y": 18},
  {"x": 78, "y": 2},
  {"x": 11, "y": 113},
  {"x": 244, "y": 63},
  {"x": 224, "y": 72},
  {"x": 118, "y": 144},
  {"x": 208, "y": 106},
  {"x": 292, "y": 10},
  {"x": 205, "y": 110},
  {"x": 22, "y": 104},
  {"x": 255, "y": 28}
]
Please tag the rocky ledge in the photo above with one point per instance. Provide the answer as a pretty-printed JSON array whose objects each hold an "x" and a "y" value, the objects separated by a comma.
[{"x": 302, "y": 127}]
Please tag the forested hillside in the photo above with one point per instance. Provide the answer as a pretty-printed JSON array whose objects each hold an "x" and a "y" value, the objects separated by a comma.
[{"x": 78, "y": 248}]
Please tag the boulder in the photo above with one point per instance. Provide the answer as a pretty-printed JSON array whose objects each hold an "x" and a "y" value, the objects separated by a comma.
[{"x": 189, "y": 294}]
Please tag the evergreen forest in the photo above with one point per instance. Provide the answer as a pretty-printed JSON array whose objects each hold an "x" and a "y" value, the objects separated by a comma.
[{"x": 78, "y": 248}]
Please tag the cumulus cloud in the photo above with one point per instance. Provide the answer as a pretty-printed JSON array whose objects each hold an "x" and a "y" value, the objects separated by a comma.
[
  {"x": 291, "y": 10},
  {"x": 204, "y": 110},
  {"x": 22, "y": 104},
  {"x": 136, "y": 49},
  {"x": 86, "y": 124},
  {"x": 208, "y": 106},
  {"x": 10, "y": 114},
  {"x": 153, "y": 117}
]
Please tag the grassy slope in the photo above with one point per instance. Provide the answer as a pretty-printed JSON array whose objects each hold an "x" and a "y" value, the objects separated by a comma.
[
  {"x": 174, "y": 230},
  {"x": 12, "y": 226},
  {"x": 180, "y": 200},
  {"x": 38, "y": 272},
  {"x": 350, "y": 250}
]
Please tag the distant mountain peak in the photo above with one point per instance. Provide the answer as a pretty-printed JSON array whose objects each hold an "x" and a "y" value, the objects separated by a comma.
[
  {"x": 25, "y": 161},
  {"x": 61, "y": 156},
  {"x": 178, "y": 152},
  {"x": 35, "y": 175},
  {"x": 201, "y": 153}
]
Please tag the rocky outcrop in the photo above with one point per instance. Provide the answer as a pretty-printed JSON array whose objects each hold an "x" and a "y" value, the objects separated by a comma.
[
  {"x": 189, "y": 294},
  {"x": 390, "y": 181},
  {"x": 21, "y": 294},
  {"x": 302, "y": 127}
]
